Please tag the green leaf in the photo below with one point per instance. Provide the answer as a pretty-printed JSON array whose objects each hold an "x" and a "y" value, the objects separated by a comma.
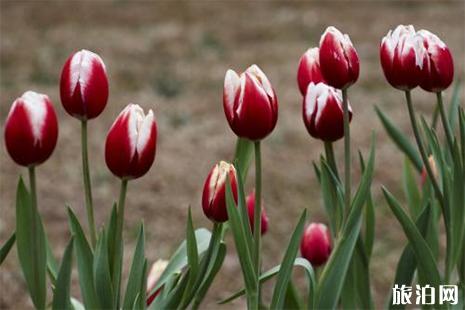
[
  {"x": 111, "y": 236},
  {"x": 136, "y": 276},
  {"x": 369, "y": 215},
  {"x": 333, "y": 209},
  {"x": 284, "y": 276},
  {"x": 411, "y": 188},
  {"x": 7, "y": 247},
  {"x": 52, "y": 264},
  {"x": 400, "y": 139},
  {"x": 84, "y": 257},
  {"x": 243, "y": 212},
  {"x": 31, "y": 245},
  {"x": 61, "y": 295},
  {"x": 243, "y": 155},
  {"x": 102, "y": 278},
  {"x": 454, "y": 105}
]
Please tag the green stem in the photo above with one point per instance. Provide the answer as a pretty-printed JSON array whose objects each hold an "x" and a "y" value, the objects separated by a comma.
[
  {"x": 258, "y": 213},
  {"x": 32, "y": 186},
  {"x": 118, "y": 259},
  {"x": 347, "y": 159},
  {"x": 435, "y": 118},
  {"x": 87, "y": 185},
  {"x": 330, "y": 157},
  {"x": 445, "y": 122}
]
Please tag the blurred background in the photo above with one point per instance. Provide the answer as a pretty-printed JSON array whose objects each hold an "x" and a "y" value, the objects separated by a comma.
[{"x": 172, "y": 57}]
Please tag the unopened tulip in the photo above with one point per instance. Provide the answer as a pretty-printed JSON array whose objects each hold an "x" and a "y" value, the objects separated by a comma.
[
  {"x": 309, "y": 70},
  {"x": 250, "y": 103},
  {"x": 31, "y": 129},
  {"x": 434, "y": 169},
  {"x": 131, "y": 143},
  {"x": 84, "y": 85},
  {"x": 214, "y": 191},
  {"x": 154, "y": 275},
  {"x": 251, "y": 211},
  {"x": 438, "y": 71},
  {"x": 323, "y": 112},
  {"x": 338, "y": 59},
  {"x": 315, "y": 245},
  {"x": 402, "y": 57}
]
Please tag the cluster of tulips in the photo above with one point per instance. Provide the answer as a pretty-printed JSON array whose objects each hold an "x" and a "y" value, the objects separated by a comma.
[{"x": 335, "y": 257}]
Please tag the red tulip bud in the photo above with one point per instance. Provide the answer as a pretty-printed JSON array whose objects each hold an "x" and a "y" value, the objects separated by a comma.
[
  {"x": 31, "y": 129},
  {"x": 309, "y": 70},
  {"x": 438, "y": 71},
  {"x": 214, "y": 191},
  {"x": 316, "y": 244},
  {"x": 402, "y": 57},
  {"x": 251, "y": 210},
  {"x": 323, "y": 112},
  {"x": 250, "y": 103},
  {"x": 84, "y": 85},
  {"x": 338, "y": 59},
  {"x": 131, "y": 143},
  {"x": 154, "y": 275}
]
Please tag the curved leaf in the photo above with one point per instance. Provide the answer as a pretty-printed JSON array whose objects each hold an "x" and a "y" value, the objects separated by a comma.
[{"x": 61, "y": 295}]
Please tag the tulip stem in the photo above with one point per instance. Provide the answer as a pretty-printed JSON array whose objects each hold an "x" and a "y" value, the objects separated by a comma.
[
  {"x": 330, "y": 157},
  {"x": 257, "y": 212},
  {"x": 347, "y": 159},
  {"x": 32, "y": 186},
  {"x": 445, "y": 122},
  {"x": 87, "y": 185}
]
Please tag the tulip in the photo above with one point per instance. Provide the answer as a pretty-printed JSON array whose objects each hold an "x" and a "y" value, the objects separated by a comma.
[
  {"x": 322, "y": 112},
  {"x": 338, "y": 59},
  {"x": 309, "y": 70},
  {"x": 316, "y": 244},
  {"x": 214, "y": 191},
  {"x": 31, "y": 129},
  {"x": 250, "y": 103},
  {"x": 84, "y": 85},
  {"x": 438, "y": 71},
  {"x": 154, "y": 275},
  {"x": 131, "y": 143},
  {"x": 402, "y": 57},
  {"x": 250, "y": 209}
]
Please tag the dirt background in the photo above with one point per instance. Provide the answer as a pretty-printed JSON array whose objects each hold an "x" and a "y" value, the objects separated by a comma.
[{"x": 172, "y": 57}]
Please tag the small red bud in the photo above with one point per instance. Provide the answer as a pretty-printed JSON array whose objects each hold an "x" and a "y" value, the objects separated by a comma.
[{"x": 316, "y": 244}]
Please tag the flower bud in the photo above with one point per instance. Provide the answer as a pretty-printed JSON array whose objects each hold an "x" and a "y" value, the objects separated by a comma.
[
  {"x": 214, "y": 191},
  {"x": 438, "y": 71},
  {"x": 402, "y": 57},
  {"x": 338, "y": 59},
  {"x": 84, "y": 85},
  {"x": 323, "y": 112},
  {"x": 434, "y": 169},
  {"x": 31, "y": 129},
  {"x": 316, "y": 244},
  {"x": 250, "y": 103},
  {"x": 251, "y": 211},
  {"x": 131, "y": 143},
  {"x": 309, "y": 70},
  {"x": 154, "y": 275}
]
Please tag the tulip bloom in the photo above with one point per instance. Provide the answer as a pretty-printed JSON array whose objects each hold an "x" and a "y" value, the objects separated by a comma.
[
  {"x": 214, "y": 191},
  {"x": 131, "y": 143},
  {"x": 438, "y": 71},
  {"x": 154, "y": 275},
  {"x": 250, "y": 103},
  {"x": 402, "y": 57},
  {"x": 316, "y": 244},
  {"x": 338, "y": 59},
  {"x": 31, "y": 129},
  {"x": 84, "y": 85},
  {"x": 323, "y": 113},
  {"x": 309, "y": 70},
  {"x": 250, "y": 209}
]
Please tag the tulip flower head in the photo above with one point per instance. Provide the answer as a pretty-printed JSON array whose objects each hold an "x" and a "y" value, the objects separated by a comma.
[
  {"x": 250, "y": 201},
  {"x": 131, "y": 143},
  {"x": 84, "y": 85},
  {"x": 309, "y": 69},
  {"x": 250, "y": 103},
  {"x": 323, "y": 112},
  {"x": 315, "y": 245},
  {"x": 438, "y": 70},
  {"x": 339, "y": 61},
  {"x": 214, "y": 191},
  {"x": 402, "y": 57},
  {"x": 31, "y": 129},
  {"x": 154, "y": 275}
]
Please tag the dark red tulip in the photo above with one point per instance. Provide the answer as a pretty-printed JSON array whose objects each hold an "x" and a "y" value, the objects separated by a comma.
[
  {"x": 309, "y": 70},
  {"x": 84, "y": 85},
  {"x": 250, "y": 103},
  {"x": 438, "y": 71},
  {"x": 338, "y": 59},
  {"x": 316, "y": 244},
  {"x": 251, "y": 211},
  {"x": 31, "y": 129},
  {"x": 214, "y": 191},
  {"x": 131, "y": 143},
  {"x": 323, "y": 112}
]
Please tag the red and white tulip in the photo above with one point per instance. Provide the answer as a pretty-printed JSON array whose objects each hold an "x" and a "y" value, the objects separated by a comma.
[
  {"x": 31, "y": 129},
  {"x": 250, "y": 201},
  {"x": 131, "y": 143},
  {"x": 316, "y": 245},
  {"x": 309, "y": 69}
]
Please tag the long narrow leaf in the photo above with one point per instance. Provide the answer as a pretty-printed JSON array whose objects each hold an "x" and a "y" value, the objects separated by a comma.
[
  {"x": 136, "y": 275},
  {"x": 7, "y": 247},
  {"x": 61, "y": 295}
]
